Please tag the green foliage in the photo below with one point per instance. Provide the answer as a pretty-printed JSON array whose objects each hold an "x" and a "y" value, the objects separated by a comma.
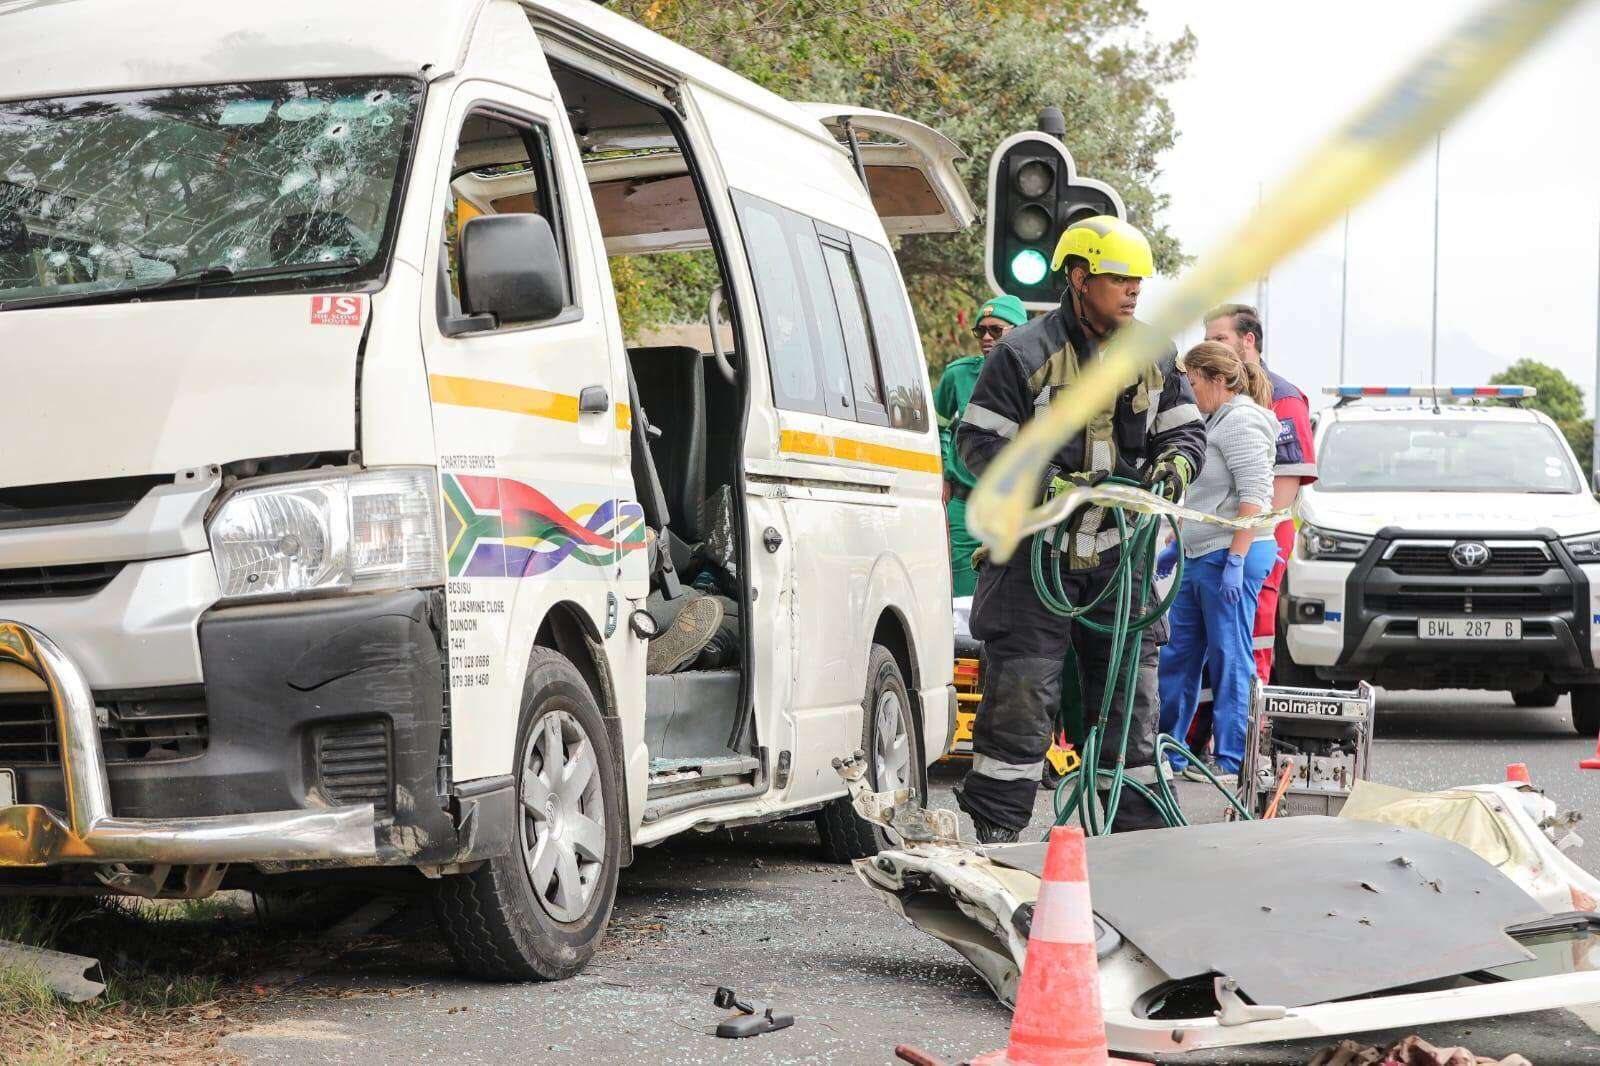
[
  {"x": 1580, "y": 434},
  {"x": 670, "y": 288},
  {"x": 976, "y": 70},
  {"x": 1559, "y": 396}
]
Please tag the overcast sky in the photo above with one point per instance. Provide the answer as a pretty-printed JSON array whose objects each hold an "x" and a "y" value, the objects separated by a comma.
[{"x": 1520, "y": 190}]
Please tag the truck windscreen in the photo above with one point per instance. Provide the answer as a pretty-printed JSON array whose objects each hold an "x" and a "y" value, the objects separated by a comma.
[
  {"x": 245, "y": 187},
  {"x": 1444, "y": 455}
]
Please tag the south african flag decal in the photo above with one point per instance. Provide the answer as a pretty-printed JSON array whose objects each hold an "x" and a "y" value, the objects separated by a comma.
[{"x": 497, "y": 527}]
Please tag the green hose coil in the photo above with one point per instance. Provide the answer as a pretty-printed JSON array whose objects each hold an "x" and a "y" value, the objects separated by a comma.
[{"x": 1132, "y": 581}]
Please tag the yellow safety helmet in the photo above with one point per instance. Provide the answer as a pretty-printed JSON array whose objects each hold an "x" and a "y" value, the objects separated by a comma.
[{"x": 1108, "y": 244}]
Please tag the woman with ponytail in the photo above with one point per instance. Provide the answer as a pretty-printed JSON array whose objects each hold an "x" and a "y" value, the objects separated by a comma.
[{"x": 1223, "y": 571}]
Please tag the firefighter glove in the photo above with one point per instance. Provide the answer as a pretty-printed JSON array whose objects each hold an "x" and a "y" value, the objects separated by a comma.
[
  {"x": 1169, "y": 476},
  {"x": 1061, "y": 485}
]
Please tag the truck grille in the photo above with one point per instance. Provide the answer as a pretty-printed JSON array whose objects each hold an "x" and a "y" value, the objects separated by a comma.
[
  {"x": 40, "y": 582},
  {"x": 152, "y": 727},
  {"x": 1433, "y": 560},
  {"x": 1504, "y": 599},
  {"x": 354, "y": 765}
]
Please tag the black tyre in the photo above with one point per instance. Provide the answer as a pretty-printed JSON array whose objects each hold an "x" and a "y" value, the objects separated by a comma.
[
  {"x": 1049, "y": 779},
  {"x": 894, "y": 760},
  {"x": 1545, "y": 695},
  {"x": 538, "y": 912},
  {"x": 1285, "y": 671},
  {"x": 1586, "y": 710}
]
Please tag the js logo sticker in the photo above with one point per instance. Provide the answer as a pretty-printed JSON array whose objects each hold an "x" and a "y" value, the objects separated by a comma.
[{"x": 336, "y": 310}]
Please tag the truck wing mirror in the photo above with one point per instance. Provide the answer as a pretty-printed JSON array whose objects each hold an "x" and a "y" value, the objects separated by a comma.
[{"x": 510, "y": 272}]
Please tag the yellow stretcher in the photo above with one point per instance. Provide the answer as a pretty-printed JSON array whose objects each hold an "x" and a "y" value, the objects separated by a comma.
[{"x": 1062, "y": 759}]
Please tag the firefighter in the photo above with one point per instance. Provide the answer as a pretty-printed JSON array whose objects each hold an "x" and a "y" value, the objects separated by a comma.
[
  {"x": 996, "y": 318},
  {"x": 1155, "y": 434}
]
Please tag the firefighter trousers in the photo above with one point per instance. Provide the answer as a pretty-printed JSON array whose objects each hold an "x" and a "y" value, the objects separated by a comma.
[{"x": 1024, "y": 648}]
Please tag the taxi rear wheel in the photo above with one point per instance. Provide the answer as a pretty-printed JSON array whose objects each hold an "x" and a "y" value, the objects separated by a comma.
[{"x": 894, "y": 760}]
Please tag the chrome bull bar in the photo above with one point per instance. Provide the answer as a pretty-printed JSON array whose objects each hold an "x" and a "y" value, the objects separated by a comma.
[{"x": 32, "y": 835}]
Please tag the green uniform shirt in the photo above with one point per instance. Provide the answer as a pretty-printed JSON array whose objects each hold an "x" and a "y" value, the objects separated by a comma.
[{"x": 949, "y": 403}]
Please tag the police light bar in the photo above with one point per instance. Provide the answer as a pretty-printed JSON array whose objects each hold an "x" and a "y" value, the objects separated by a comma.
[{"x": 1433, "y": 392}]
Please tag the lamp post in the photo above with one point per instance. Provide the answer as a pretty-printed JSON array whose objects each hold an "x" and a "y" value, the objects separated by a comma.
[
  {"x": 1594, "y": 461},
  {"x": 1344, "y": 297},
  {"x": 1433, "y": 341}
]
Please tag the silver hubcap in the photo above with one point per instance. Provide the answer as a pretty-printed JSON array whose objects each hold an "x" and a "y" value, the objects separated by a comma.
[
  {"x": 893, "y": 754},
  {"x": 563, "y": 823}
]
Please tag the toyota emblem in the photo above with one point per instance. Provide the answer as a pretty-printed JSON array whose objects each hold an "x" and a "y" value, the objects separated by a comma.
[{"x": 1470, "y": 555}]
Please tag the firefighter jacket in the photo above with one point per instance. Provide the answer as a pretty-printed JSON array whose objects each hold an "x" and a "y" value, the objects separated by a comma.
[{"x": 1155, "y": 414}]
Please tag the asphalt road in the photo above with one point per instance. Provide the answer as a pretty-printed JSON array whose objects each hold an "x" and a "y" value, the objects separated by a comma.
[{"x": 757, "y": 910}]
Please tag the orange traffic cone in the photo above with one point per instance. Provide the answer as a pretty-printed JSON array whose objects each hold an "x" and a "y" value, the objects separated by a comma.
[
  {"x": 1518, "y": 771},
  {"x": 1593, "y": 761},
  {"x": 1057, "y": 1021}
]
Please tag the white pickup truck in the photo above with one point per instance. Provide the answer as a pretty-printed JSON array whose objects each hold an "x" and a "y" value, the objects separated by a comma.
[{"x": 1449, "y": 543}]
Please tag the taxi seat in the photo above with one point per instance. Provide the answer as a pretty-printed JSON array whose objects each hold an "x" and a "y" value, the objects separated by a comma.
[{"x": 671, "y": 391}]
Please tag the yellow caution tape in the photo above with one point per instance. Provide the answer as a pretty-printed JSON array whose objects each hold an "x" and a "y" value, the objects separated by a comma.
[
  {"x": 1359, "y": 156},
  {"x": 1133, "y": 498}
]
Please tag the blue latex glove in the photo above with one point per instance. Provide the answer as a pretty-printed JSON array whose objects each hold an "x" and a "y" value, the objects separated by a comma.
[
  {"x": 1233, "y": 579},
  {"x": 1167, "y": 560}
]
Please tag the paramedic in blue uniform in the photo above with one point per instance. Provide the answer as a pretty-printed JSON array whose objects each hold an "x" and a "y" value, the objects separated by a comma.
[
  {"x": 1239, "y": 326},
  {"x": 1154, "y": 433},
  {"x": 1224, "y": 568}
]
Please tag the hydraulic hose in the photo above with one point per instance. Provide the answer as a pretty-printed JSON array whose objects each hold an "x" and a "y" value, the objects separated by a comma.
[{"x": 1131, "y": 583}]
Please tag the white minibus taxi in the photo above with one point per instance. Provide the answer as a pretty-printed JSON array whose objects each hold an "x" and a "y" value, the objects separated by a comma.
[{"x": 337, "y": 512}]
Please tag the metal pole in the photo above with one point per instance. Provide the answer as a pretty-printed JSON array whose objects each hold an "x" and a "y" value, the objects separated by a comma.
[
  {"x": 1595, "y": 457},
  {"x": 1261, "y": 282},
  {"x": 1433, "y": 342},
  {"x": 1344, "y": 295}
]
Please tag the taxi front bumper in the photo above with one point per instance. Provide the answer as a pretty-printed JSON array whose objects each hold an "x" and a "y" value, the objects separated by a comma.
[{"x": 86, "y": 831}]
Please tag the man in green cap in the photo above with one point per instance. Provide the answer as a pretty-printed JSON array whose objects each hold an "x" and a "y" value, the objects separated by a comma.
[{"x": 996, "y": 317}]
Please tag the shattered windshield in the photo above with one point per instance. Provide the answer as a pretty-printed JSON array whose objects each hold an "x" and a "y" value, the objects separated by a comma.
[{"x": 269, "y": 184}]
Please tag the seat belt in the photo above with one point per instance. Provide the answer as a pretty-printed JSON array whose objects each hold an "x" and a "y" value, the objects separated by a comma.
[{"x": 653, "y": 497}]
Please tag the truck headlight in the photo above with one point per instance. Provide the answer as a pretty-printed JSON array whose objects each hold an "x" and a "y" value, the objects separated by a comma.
[
  {"x": 342, "y": 533},
  {"x": 1331, "y": 545},
  {"x": 1584, "y": 549}
]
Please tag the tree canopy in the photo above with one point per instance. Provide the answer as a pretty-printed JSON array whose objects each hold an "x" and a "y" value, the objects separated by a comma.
[
  {"x": 1559, "y": 397},
  {"x": 978, "y": 71}
]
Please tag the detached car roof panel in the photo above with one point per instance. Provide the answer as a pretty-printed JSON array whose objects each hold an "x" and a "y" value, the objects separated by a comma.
[{"x": 1302, "y": 910}]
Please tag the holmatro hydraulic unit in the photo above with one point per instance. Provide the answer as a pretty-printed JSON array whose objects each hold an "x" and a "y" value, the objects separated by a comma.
[{"x": 1305, "y": 749}]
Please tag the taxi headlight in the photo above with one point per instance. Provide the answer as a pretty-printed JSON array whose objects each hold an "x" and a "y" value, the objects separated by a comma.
[
  {"x": 356, "y": 532},
  {"x": 1584, "y": 549},
  {"x": 1331, "y": 545}
]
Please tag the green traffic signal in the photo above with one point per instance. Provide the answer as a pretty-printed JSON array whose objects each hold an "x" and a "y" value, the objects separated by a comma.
[{"x": 1029, "y": 266}]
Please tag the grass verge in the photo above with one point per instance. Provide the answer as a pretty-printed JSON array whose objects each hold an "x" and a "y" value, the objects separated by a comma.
[{"x": 177, "y": 977}]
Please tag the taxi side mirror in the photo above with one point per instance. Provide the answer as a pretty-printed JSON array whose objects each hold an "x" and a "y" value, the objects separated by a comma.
[{"x": 511, "y": 272}]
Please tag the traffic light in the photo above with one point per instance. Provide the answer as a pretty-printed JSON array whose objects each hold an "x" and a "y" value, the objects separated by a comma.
[{"x": 1034, "y": 194}]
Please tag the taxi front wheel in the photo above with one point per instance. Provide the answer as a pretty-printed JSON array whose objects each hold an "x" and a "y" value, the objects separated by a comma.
[{"x": 538, "y": 911}]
